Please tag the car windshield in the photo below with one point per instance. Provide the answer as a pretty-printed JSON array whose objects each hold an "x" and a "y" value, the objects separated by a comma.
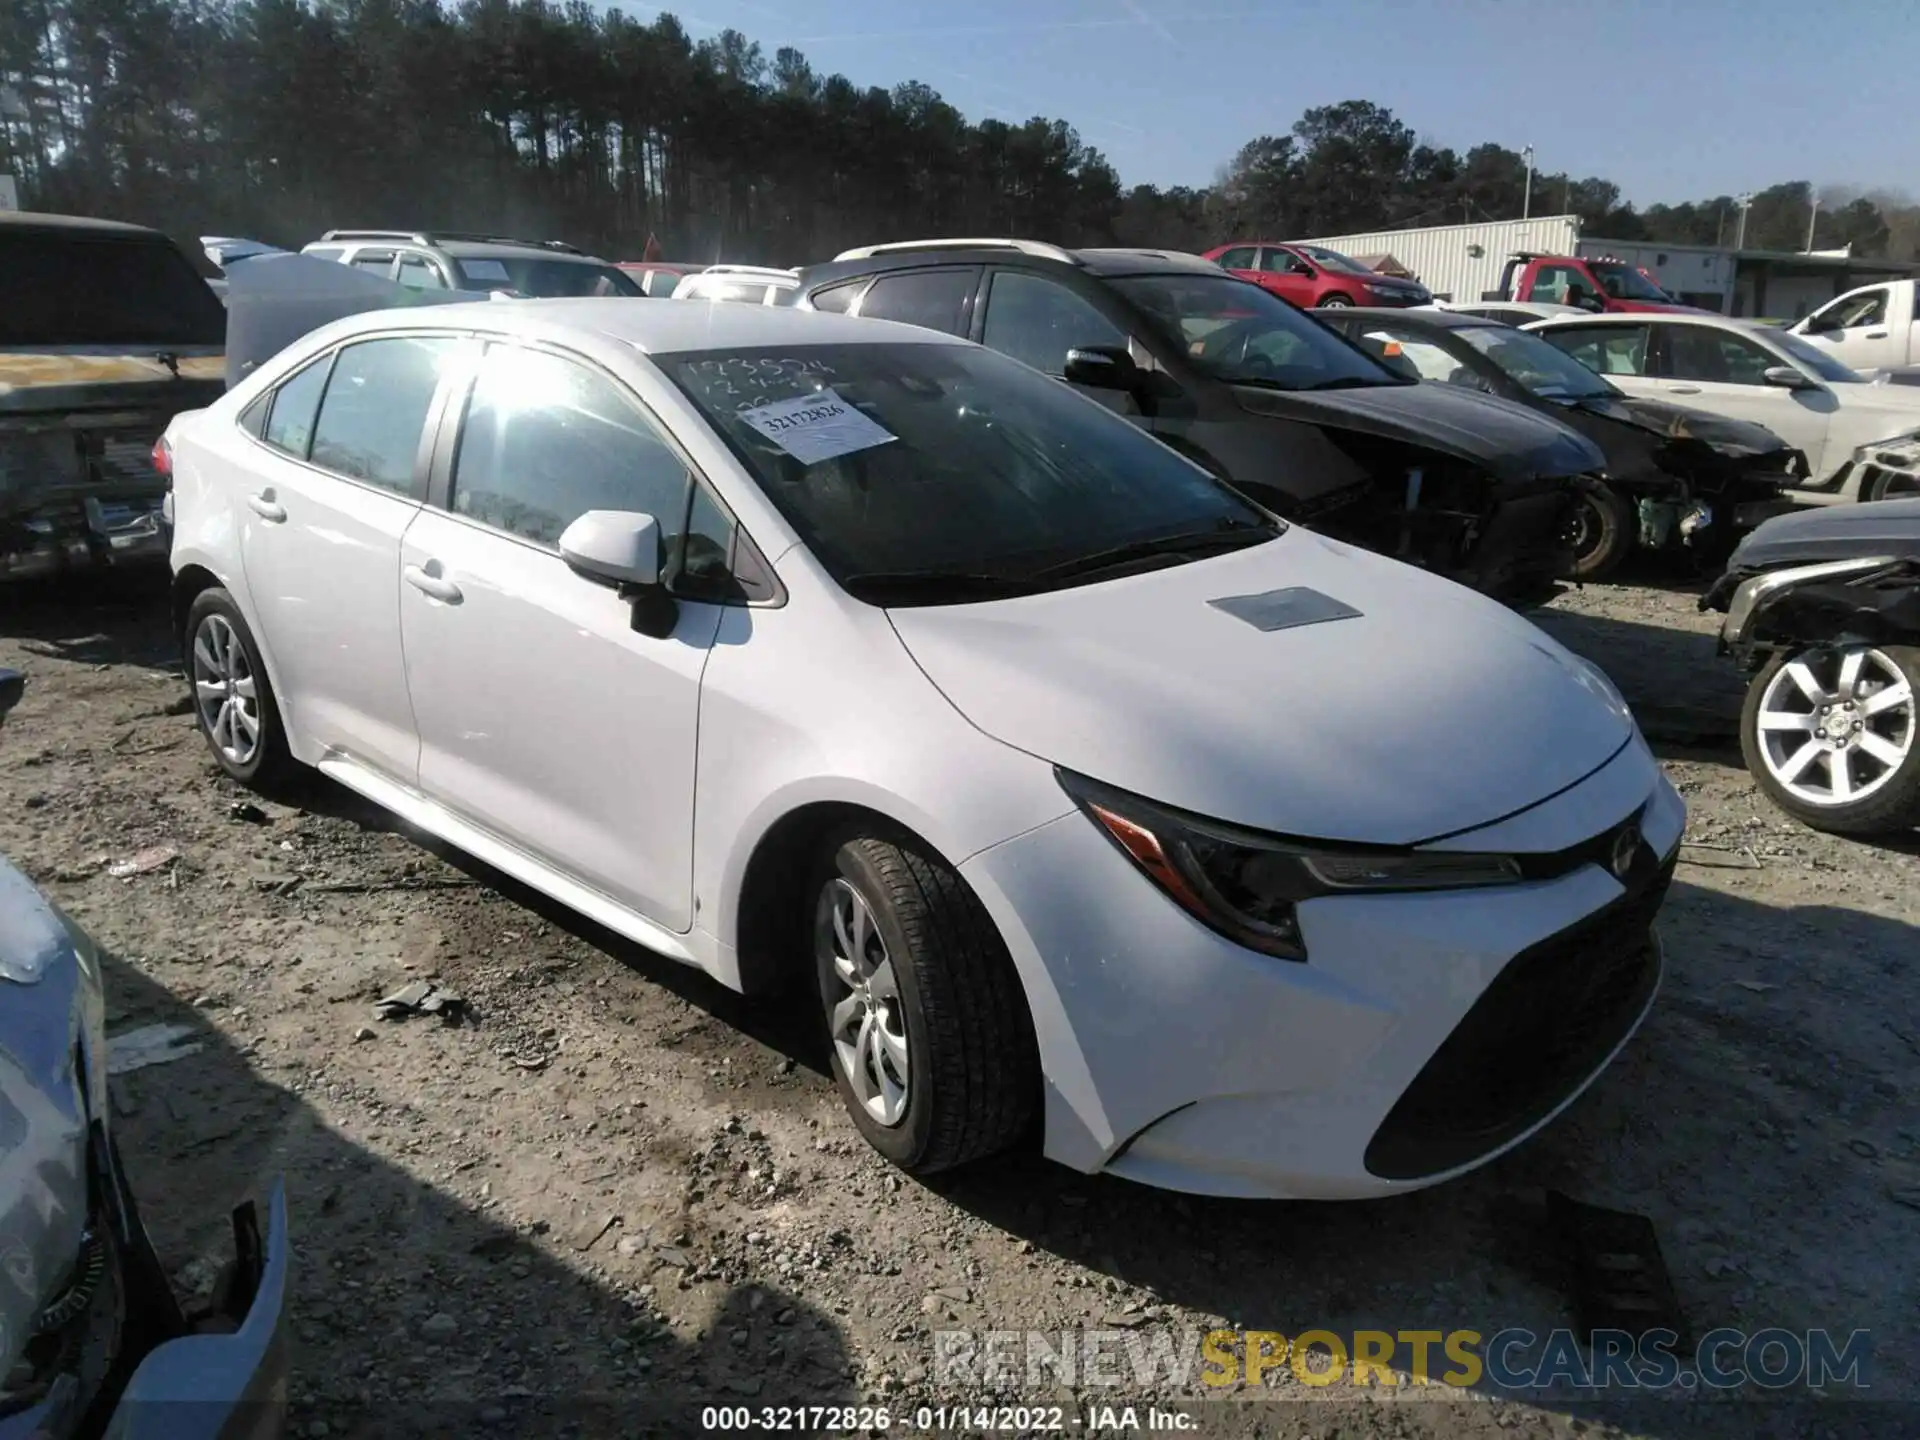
[
  {"x": 1812, "y": 357},
  {"x": 1623, "y": 282},
  {"x": 545, "y": 279},
  {"x": 1237, "y": 332},
  {"x": 71, "y": 288},
  {"x": 1334, "y": 260},
  {"x": 1532, "y": 363},
  {"x": 922, "y": 473}
]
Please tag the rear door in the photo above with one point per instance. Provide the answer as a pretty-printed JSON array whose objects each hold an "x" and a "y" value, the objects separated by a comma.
[{"x": 337, "y": 473}]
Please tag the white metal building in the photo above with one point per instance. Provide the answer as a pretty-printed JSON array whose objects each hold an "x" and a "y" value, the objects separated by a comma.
[{"x": 1461, "y": 262}]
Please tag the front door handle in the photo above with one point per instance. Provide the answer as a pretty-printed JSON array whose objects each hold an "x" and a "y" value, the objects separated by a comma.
[
  {"x": 1876, "y": 334},
  {"x": 266, "y": 507},
  {"x": 1683, "y": 389},
  {"x": 436, "y": 586}
]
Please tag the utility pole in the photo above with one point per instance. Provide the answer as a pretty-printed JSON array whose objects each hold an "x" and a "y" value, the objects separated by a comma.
[
  {"x": 1813, "y": 215},
  {"x": 1740, "y": 235},
  {"x": 1526, "y": 202}
]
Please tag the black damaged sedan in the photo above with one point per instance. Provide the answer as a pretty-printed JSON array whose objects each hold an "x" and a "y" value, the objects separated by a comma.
[{"x": 1674, "y": 477}]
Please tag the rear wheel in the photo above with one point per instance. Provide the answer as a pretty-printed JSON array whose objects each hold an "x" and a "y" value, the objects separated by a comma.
[
  {"x": 232, "y": 696},
  {"x": 1829, "y": 734},
  {"x": 932, "y": 1041},
  {"x": 1600, "y": 532}
]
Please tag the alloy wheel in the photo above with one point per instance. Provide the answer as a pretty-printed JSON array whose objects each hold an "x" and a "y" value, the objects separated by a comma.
[
  {"x": 866, "y": 1017},
  {"x": 225, "y": 694},
  {"x": 1835, "y": 726}
]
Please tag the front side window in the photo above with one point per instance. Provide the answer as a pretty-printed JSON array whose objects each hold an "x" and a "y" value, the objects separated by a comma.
[
  {"x": 931, "y": 299},
  {"x": 1856, "y": 310},
  {"x": 1624, "y": 282},
  {"x": 1603, "y": 349},
  {"x": 1715, "y": 357},
  {"x": 544, "y": 279},
  {"x": 1239, "y": 333},
  {"x": 290, "y": 417},
  {"x": 1555, "y": 284},
  {"x": 375, "y": 408},
  {"x": 1280, "y": 262},
  {"x": 1037, "y": 321},
  {"x": 1335, "y": 261},
  {"x": 547, "y": 439},
  {"x": 918, "y": 472}
]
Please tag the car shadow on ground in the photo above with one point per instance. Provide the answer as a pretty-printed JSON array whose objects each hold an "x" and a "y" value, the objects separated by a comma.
[
  {"x": 110, "y": 617},
  {"x": 1721, "y": 1082},
  {"x": 451, "y": 1320}
]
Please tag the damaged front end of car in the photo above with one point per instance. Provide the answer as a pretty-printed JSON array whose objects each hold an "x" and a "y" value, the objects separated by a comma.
[{"x": 93, "y": 1340}]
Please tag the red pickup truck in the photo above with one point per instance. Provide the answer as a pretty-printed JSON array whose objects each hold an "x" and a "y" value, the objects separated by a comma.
[{"x": 1598, "y": 283}]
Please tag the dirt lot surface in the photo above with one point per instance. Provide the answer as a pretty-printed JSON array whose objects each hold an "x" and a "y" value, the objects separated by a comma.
[{"x": 614, "y": 1194}]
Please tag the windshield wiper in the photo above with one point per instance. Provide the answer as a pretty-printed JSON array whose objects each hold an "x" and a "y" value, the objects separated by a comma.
[
  {"x": 1233, "y": 535},
  {"x": 931, "y": 587}
]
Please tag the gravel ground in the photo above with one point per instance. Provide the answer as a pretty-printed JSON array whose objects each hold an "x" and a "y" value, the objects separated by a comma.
[{"x": 615, "y": 1194}]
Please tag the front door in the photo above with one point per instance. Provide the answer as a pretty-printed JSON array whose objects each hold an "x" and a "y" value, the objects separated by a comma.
[
  {"x": 545, "y": 717},
  {"x": 335, "y": 481},
  {"x": 1859, "y": 336},
  {"x": 1037, "y": 321},
  {"x": 1722, "y": 372}
]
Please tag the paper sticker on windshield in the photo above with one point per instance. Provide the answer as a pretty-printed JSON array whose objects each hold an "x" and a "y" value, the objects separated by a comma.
[
  {"x": 483, "y": 269},
  {"x": 815, "y": 427}
]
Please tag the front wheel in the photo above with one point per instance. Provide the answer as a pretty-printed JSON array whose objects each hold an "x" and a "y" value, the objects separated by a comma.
[
  {"x": 1600, "y": 531},
  {"x": 1335, "y": 302},
  {"x": 1829, "y": 734},
  {"x": 932, "y": 1042}
]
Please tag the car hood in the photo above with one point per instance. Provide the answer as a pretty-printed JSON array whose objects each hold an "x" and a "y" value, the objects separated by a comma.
[
  {"x": 1831, "y": 532},
  {"x": 52, "y": 1080},
  {"x": 1432, "y": 710},
  {"x": 1511, "y": 441},
  {"x": 1719, "y": 433}
]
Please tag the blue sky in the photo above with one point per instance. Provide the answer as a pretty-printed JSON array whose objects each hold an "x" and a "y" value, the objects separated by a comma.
[{"x": 1701, "y": 98}]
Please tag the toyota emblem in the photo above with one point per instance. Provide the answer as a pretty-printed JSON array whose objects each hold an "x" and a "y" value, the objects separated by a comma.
[{"x": 1624, "y": 846}]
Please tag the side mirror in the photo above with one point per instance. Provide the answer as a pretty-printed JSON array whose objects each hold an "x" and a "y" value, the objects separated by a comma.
[
  {"x": 1101, "y": 367},
  {"x": 614, "y": 547},
  {"x": 1786, "y": 377},
  {"x": 12, "y": 686}
]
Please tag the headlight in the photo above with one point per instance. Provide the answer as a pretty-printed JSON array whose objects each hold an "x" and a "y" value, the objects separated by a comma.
[{"x": 1245, "y": 884}]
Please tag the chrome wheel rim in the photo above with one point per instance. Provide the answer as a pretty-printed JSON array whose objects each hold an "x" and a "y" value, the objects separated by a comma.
[
  {"x": 866, "y": 1017},
  {"x": 1836, "y": 725},
  {"x": 225, "y": 694}
]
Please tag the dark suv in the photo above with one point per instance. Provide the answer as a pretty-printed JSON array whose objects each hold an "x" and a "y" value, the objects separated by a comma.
[{"x": 1267, "y": 398}]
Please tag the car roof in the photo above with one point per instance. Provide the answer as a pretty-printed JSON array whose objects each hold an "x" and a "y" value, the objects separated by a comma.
[
  {"x": 1659, "y": 317},
  {"x": 458, "y": 249},
  {"x": 1427, "y": 319},
  {"x": 1100, "y": 262},
  {"x": 72, "y": 224},
  {"x": 650, "y": 327}
]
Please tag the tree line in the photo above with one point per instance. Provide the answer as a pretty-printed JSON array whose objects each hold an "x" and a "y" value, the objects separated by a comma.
[{"x": 278, "y": 119}]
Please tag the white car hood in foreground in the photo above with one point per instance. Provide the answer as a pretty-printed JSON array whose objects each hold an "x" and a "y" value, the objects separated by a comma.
[{"x": 1436, "y": 710}]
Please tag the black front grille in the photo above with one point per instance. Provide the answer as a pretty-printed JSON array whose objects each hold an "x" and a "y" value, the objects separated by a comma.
[{"x": 1549, "y": 1018}]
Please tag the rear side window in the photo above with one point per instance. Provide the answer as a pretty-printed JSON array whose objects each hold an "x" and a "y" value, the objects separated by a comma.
[
  {"x": 374, "y": 262},
  {"x": 295, "y": 403},
  {"x": 418, "y": 273},
  {"x": 1238, "y": 258},
  {"x": 70, "y": 289},
  {"x": 931, "y": 299},
  {"x": 835, "y": 299},
  {"x": 546, "y": 439},
  {"x": 375, "y": 409}
]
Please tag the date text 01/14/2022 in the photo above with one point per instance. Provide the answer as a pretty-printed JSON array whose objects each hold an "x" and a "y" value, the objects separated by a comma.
[{"x": 943, "y": 1419}]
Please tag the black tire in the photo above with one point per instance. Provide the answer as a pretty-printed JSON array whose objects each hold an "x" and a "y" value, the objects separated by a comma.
[
  {"x": 1335, "y": 301},
  {"x": 1892, "y": 809},
  {"x": 268, "y": 766},
  {"x": 1601, "y": 530},
  {"x": 973, "y": 1073}
]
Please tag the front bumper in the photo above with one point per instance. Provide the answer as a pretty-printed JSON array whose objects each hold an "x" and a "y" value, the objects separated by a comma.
[{"x": 1177, "y": 1058}]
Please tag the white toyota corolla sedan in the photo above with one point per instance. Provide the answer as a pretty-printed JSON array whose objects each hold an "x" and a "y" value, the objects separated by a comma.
[{"x": 843, "y": 659}]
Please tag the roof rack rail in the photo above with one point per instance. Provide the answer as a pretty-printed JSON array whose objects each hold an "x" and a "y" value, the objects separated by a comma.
[
  {"x": 1025, "y": 247},
  {"x": 434, "y": 237},
  {"x": 769, "y": 271}
]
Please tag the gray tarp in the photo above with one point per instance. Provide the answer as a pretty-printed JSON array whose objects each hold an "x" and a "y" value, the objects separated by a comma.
[{"x": 275, "y": 298}]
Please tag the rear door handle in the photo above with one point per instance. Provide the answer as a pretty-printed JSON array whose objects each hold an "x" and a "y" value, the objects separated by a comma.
[
  {"x": 266, "y": 507},
  {"x": 1683, "y": 389},
  {"x": 437, "y": 586}
]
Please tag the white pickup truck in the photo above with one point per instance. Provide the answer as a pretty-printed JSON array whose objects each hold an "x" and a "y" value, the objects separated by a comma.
[{"x": 1874, "y": 330}]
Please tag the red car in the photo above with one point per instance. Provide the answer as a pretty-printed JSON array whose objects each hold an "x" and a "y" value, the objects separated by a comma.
[{"x": 1312, "y": 276}]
